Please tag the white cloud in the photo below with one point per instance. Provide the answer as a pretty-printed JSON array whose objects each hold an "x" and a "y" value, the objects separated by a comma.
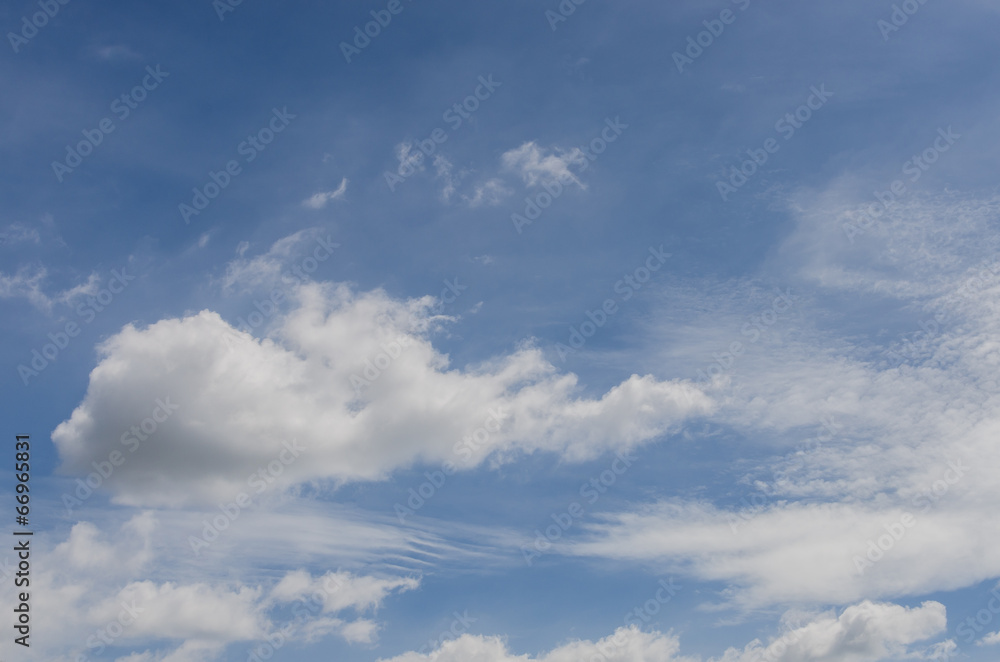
[
  {"x": 319, "y": 200},
  {"x": 265, "y": 270},
  {"x": 917, "y": 248},
  {"x": 800, "y": 552},
  {"x": 490, "y": 194},
  {"x": 444, "y": 172},
  {"x": 915, "y": 437},
  {"x": 339, "y": 590},
  {"x": 16, "y": 233},
  {"x": 361, "y": 631},
  {"x": 335, "y": 592},
  {"x": 409, "y": 160},
  {"x": 625, "y": 645},
  {"x": 189, "y": 651},
  {"x": 86, "y": 594},
  {"x": 241, "y": 400},
  {"x": 991, "y": 639},
  {"x": 27, "y": 284},
  {"x": 85, "y": 551},
  {"x": 538, "y": 167},
  {"x": 866, "y": 632},
  {"x": 124, "y": 586},
  {"x": 89, "y": 288},
  {"x": 42, "y": 232},
  {"x": 196, "y": 611}
]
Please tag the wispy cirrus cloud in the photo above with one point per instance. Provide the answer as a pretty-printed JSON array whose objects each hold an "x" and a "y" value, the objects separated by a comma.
[{"x": 320, "y": 200}]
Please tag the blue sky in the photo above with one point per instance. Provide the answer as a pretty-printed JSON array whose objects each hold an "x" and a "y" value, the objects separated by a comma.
[{"x": 481, "y": 337}]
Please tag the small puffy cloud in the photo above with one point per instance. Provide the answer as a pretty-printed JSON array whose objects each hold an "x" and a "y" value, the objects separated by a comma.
[
  {"x": 335, "y": 592},
  {"x": 540, "y": 167},
  {"x": 866, "y": 632},
  {"x": 86, "y": 549},
  {"x": 489, "y": 194},
  {"x": 361, "y": 631},
  {"x": 991, "y": 639},
  {"x": 339, "y": 590},
  {"x": 319, "y": 200},
  {"x": 83, "y": 549}
]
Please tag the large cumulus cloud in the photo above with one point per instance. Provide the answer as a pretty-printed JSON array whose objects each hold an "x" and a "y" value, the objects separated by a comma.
[{"x": 355, "y": 380}]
